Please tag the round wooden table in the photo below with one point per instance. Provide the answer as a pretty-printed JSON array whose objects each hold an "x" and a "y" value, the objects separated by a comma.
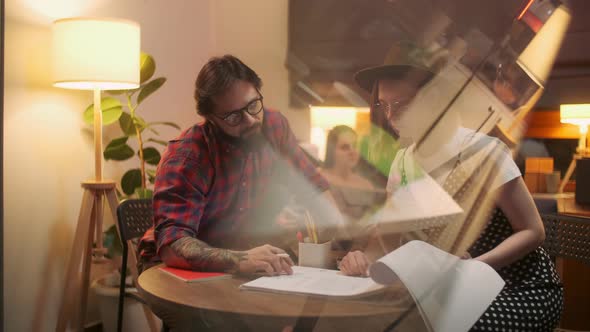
[{"x": 221, "y": 305}]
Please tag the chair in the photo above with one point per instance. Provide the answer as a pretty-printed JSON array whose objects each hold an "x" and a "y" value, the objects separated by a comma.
[
  {"x": 567, "y": 236},
  {"x": 134, "y": 217}
]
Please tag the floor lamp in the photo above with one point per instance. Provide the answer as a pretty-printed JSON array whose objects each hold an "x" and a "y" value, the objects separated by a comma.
[
  {"x": 92, "y": 54},
  {"x": 577, "y": 114}
]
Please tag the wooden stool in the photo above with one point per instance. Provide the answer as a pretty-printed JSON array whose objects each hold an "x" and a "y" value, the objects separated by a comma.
[{"x": 90, "y": 220}]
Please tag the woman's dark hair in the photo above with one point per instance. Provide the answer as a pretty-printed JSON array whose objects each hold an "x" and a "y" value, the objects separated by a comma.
[
  {"x": 216, "y": 76},
  {"x": 332, "y": 141}
]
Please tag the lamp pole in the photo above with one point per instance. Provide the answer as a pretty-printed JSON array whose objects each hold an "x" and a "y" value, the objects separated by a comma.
[{"x": 97, "y": 136}]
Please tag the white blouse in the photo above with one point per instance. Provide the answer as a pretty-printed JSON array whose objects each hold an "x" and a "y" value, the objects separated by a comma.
[{"x": 475, "y": 149}]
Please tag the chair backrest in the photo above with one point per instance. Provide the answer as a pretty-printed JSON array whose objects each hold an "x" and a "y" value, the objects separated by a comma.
[
  {"x": 567, "y": 236},
  {"x": 135, "y": 216},
  {"x": 546, "y": 205}
]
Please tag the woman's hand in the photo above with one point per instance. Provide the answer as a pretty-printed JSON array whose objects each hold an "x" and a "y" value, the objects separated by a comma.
[{"x": 355, "y": 263}]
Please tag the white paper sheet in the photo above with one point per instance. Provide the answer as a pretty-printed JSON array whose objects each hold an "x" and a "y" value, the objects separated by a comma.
[
  {"x": 451, "y": 293},
  {"x": 419, "y": 205},
  {"x": 313, "y": 281}
]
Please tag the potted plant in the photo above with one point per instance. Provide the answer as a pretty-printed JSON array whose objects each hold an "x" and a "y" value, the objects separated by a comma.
[{"x": 122, "y": 107}]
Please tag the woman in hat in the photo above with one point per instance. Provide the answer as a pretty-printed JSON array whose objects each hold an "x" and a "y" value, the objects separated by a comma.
[
  {"x": 400, "y": 77},
  {"x": 470, "y": 165}
]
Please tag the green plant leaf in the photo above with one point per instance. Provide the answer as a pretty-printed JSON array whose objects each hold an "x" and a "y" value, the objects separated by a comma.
[
  {"x": 131, "y": 180},
  {"x": 111, "y": 111},
  {"x": 148, "y": 67},
  {"x": 154, "y": 131},
  {"x": 151, "y": 155},
  {"x": 144, "y": 193},
  {"x": 164, "y": 143},
  {"x": 127, "y": 124},
  {"x": 151, "y": 173},
  {"x": 118, "y": 149},
  {"x": 112, "y": 242},
  {"x": 120, "y": 195},
  {"x": 140, "y": 122},
  {"x": 150, "y": 88},
  {"x": 165, "y": 123}
]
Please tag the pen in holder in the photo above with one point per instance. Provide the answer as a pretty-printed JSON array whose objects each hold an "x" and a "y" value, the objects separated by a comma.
[
  {"x": 316, "y": 255},
  {"x": 312, "y": 231}
]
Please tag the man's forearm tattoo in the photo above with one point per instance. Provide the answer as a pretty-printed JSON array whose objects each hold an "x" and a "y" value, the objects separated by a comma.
[{"x": 201, "y": 256}]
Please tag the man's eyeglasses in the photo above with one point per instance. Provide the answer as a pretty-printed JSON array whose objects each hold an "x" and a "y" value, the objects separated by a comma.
[
  {"x": 235, "y": 118},
  {"x": 393, "y": 107}
]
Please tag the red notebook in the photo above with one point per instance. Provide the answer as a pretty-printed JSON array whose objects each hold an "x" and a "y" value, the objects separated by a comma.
[{"x": 194, "y": 276}]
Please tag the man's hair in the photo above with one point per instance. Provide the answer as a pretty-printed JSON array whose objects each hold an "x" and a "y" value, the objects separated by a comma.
[
  {"x": 216, "y": 76},
  {"x": 332, "y": 141}
]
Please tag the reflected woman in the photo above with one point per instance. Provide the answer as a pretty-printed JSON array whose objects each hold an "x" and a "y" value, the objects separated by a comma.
[
  {"x": 354, "y": 194},
  {"x": 339, "y": 167},
  {"x": 471, "y": 165}
]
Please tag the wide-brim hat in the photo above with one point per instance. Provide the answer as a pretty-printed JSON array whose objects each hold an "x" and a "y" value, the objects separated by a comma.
[{"x": 404, "y": 60}]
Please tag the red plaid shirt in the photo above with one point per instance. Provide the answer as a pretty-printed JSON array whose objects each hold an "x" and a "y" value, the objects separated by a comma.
[{"x": 206, "y": 187}]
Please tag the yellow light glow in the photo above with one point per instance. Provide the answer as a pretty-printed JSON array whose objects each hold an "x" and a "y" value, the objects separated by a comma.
[
  {"x": 577, "y": 114},
  {"x": 328, "y": 117},
  {"x": 43, "y": 11},
  {"x": 324, "y": 118},
  {"x": 90, "y": 53}
]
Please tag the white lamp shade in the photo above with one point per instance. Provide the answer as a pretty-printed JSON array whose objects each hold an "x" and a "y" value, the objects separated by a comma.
[
  {"x": 96, "y": 53},
  {"x": 578, "y": 114},
  {"x": 538, "y": 57}
]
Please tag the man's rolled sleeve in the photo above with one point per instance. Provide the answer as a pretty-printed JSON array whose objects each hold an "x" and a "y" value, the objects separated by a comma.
[{"x": 179, "y": 199}]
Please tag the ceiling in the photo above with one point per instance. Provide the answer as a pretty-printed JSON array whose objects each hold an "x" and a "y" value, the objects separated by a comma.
[{"x": 330, "y": 40}]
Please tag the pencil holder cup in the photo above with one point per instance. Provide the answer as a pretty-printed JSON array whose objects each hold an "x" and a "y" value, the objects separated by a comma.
[{"x": 316, "y": 255}]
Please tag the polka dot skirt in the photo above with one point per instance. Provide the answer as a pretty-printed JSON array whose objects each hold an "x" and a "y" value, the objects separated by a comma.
[{"x": 532, "y": 298}]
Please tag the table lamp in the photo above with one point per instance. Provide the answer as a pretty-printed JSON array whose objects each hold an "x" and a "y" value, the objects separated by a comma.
[
  {"x": 576, "y": 114},
  {"x": 92, "y": 54}
]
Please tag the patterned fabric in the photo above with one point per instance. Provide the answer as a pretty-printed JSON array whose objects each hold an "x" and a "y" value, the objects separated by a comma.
[
  {"x": 212, "y": 187},
  {"x": 532, "y": 299}
]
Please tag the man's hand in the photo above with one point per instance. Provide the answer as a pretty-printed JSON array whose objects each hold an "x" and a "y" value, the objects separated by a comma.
[
  {"x": 355, "y": 263},
  {"x": 264, "y": 260},
  {"x": 191, "y": 253}
]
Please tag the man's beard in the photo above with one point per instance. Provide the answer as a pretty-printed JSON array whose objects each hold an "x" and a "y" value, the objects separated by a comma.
[{"x": 253, "y": 140}]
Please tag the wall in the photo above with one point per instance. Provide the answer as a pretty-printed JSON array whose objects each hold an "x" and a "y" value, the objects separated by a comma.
[
  {"x": 48, "y": 151},
  {"x": 256, "y": 31}
]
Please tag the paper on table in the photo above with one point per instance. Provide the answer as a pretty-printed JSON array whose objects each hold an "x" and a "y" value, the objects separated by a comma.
[
  {"x": 314, "y": 281},
  {"x": 421, "y": 204},
  {"x": 450, "y": 293}
]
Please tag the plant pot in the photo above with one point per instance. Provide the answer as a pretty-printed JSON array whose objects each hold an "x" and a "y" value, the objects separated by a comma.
[{"x": 108, "y": 305}]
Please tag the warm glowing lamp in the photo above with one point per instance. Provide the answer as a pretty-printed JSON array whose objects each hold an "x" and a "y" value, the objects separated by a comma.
[
  {"x": 92, "y": 54},
  {"x": 546, "y": 42},
  {"x": 96, "y": 54},
  {"x": 576, "y": 114}
]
